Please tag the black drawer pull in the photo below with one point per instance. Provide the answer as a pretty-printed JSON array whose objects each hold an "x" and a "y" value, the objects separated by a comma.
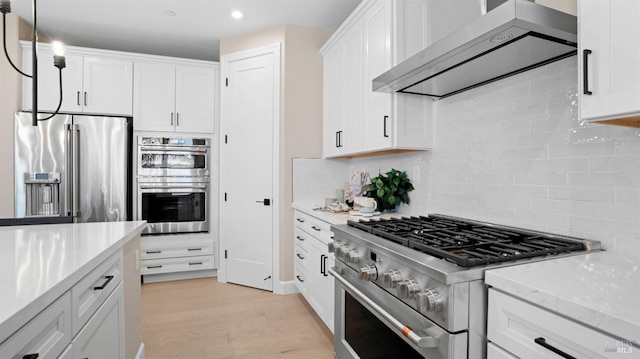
[
  {"x": 195, "y": 263},
  {"x": 194, "y": 249},
  {"x": 300, "y": 220},
  {"x": 31, "y": 356},
  {"x": 384, "y": 126},
  {"x": 154, "y": 252},
  {"x": 300, "y": 238},
  {"x": 300, "y": 256},
  {"x": 316, "y": 228},
  {"x": 301, "y": 280},
  {"x": 542, "y": 342},
  {"x": 153, "y": 267},
  {"x": 585, "y": 71},
  {"x": 108, "y": 278}
]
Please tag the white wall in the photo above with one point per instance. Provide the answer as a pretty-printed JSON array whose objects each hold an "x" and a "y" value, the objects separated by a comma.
[{"x": 515, "y": 152}]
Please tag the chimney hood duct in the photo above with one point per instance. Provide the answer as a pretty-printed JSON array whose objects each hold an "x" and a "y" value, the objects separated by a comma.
[{"x": 514, "y": 37}]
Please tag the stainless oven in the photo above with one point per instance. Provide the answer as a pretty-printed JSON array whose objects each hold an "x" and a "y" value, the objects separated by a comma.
[
  {"x": 173, "y": 204},
  {"x": 370, "y": 323},
  {"x": 173, "y": 156}
]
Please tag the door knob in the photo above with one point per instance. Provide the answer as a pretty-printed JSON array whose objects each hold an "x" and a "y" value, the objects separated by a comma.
[{"x": 266, "y": 202}]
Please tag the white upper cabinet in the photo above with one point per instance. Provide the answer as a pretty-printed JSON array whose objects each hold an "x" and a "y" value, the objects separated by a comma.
[
  {"x": 92, "y": 83},
  {"x": 174, "y": 97},
  {"x": 609, "y": 58}
]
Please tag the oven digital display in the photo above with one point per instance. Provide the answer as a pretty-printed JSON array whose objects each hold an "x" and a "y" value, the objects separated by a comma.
[{"x": 369, "y": 337}]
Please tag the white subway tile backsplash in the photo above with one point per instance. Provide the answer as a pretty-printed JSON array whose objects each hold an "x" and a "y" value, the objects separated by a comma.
[
  {"x": 627, "y": 196},
  {"x": 526, "y": 191},
  {"x": 553, "y": 179},
  {"x": 586, "y": 194},
  {"x": 616, "y": 212},
  {"x": 604, "y": 179},
  {"x": 620, "y": 163},
  {"x": 566, "y": 207},
  {"x": 582, "y": 149}
]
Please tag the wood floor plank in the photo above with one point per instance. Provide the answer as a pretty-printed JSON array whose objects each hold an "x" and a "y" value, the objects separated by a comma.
[{"x": 204, "y": 319}]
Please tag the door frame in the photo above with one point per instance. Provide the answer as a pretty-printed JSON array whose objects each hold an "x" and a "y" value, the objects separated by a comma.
[{"x": 273, "y": 49}]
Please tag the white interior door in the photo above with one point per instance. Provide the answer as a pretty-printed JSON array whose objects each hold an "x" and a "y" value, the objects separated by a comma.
[{"x": 249, "y": 116}]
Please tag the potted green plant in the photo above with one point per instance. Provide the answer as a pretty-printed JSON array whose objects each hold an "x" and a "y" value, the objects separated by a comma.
[{"x": 389, "y": 189}]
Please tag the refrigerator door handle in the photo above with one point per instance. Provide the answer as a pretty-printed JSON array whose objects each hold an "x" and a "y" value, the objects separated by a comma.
[
  {"x": 75, "y": 157},
  {"x": 68, "y": 175}
]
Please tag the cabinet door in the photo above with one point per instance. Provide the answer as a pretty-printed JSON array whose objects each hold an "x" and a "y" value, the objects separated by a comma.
[
  {"x": 318, "y": 291},
  {"x": 154, "y": 97},
  {"x": 609, "y": 30},
  {"x": 103, "y": 336},
  {"x": 333, "y": 97},
  {"x": 107, "y": 86},
  {"x": 49, "y": 82},
  {"x": 352, "y": 78},
  {"x": 377, "y": 59},
  {"x": 195, "y": 98}
]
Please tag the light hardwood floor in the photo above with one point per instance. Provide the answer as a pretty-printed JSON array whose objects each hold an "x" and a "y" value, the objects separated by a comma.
[{"x": 201, "y": 318}]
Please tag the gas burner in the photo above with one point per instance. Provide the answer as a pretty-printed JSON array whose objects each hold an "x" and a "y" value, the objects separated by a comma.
[{"x": 467, "y": 243}]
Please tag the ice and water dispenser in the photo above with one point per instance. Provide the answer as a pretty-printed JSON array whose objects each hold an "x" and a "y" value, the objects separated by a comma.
[{"x": 43, "y": 193}]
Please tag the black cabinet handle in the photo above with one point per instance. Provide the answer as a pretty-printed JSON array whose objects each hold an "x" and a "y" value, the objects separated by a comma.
[
  {"x": 31, "y": 356},
  {"x": 300, "y": 256},
  {"x": 194, "y": 249},
  {"x": 300, "y": 238},
  {"x": 322, "y": 263},
  {"x": 154, "y": 252},
  {"x": 585, "y": 71},
  {"x": 85, "y": 98},
  {"x": 325, "y": 265},
  {"x": 108, "y": 278},
  {"x": 384, "y": 126},
  {"x": 316, "y": 228},
  {"x": 78, "y": 98},
  {"x": 153, "y": 267},
  {"x": 301, "y": 280},
  {"x": 195, "y": 263},
  {"x": 300, "y": 220},
  {"x": 337, "y": 138},
  {"x": 542, "y": 342}
]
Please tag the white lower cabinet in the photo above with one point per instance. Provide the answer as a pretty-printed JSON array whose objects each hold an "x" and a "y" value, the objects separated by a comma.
[
  {"x": 103, "y": 335},
  {"x": 176, "y": 253},
  {"x": 86, "y": 321},
  {"x": 46, "y": 335},
  {"x": 312, "y": 261},
  {"x": 520, "y": 329}
]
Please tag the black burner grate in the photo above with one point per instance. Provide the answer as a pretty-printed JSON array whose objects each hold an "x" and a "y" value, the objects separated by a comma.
[{"x": 467, "y": 243}]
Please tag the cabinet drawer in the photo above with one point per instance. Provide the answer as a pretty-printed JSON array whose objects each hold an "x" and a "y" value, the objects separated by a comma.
[
  {"x": 314, "y": 226},
  {"x": 301, "y": 279},
  {"x": 47, "y": 335},
  {"x": 524, "y": 329},
  {"x": 301, "y": 257},
  {"x": 149, "y": 251},
  {"x": 92, "y": 290},
  {"x": 171, "y": 265},
  {"x": 495, "y": 352},
  {"x": 301, "y": 219}
]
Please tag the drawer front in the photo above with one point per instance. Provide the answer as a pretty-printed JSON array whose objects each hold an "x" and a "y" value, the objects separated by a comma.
[
  {"x": 149, "y": 251},
  {"x": 301, "y": 279},
  {"x": 314, "y": 226},
  {"x": 48, "y": 334},
  {"x": 300, "y": 219},
  {"x": 172, "y": 265},
  {"x": 495, "y": 352},
  {"x": 92, "y": 290},
  {"x": 529, "y": 331}
]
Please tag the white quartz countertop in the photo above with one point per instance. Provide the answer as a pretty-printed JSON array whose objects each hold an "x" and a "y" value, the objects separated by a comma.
[
  {"x": 336, "y": 218},
  {"x": 600, "y": 289},
  {"x": 38, "y": 263}
]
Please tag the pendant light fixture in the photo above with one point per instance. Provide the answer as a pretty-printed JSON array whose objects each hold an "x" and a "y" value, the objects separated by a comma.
[{"x": 58, "y": 58}]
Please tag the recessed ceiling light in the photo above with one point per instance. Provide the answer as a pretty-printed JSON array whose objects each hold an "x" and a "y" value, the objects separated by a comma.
[
  {"x": 236, "y": 14},
  {"x": 170, "y": 13}
]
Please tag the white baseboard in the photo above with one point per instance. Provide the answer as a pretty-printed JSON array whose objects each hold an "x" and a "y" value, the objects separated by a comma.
[
  {"x": 286, "y": 288},
  {"x": 153, "y": 278},
  {"x": 140, "y": 354}
]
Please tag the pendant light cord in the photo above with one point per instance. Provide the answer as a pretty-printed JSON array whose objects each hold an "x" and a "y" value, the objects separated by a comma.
[
  {"x": 59, "y": 103},
  {"x": 4, "y": 44}
]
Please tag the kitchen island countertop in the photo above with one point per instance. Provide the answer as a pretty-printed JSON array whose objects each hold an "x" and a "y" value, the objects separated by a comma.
[
  {"x": 38, "y": 263},
  {"x": 600, "y": 289}
]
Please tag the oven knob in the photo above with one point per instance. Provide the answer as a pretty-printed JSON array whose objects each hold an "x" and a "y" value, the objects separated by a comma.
[
  {"x": 352, "y": 256},
  {"x": 391, "y": 278},
  {"x": 429, "y": 300},
  {"x": 369, "y": 272},
  {"x": 339, "y": 250},
  {"x": 407, "y": 289},
  {"x": 332, "y": 246}
]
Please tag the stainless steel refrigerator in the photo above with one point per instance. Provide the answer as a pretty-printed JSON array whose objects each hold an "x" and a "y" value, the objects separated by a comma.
[{"x": 73, "y": 165}]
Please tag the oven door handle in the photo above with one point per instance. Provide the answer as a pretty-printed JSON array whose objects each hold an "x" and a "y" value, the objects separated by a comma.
[
  {"x": 421, "y": 342},
  {"x": 173, "y": 187},
  {"x": 160, "y": 150}
]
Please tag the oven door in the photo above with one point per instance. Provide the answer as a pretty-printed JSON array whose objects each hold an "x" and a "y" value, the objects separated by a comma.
[
  {"x": 170, "y": 206},
  {"x": 173, "y": 161},
  {"x": 372, "y": 324}
]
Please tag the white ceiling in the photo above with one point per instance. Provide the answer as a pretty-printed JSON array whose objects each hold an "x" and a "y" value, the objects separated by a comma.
[{"x": 194, "y": 32}]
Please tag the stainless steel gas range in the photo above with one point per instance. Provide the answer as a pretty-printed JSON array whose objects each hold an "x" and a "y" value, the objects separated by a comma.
[{"x": 413, "y": 287}]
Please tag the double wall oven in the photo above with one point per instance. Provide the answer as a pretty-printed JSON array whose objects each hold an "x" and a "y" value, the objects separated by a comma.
[
  {"x": 413, "y": 287},
  {"x": 173, "y": 184}
]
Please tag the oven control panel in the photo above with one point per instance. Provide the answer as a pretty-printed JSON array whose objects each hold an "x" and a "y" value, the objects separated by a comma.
[{"x": 426, "y": 295}]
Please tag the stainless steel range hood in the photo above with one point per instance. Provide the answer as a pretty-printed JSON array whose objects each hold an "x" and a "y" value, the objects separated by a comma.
[{"x": 516, "y": 36}]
